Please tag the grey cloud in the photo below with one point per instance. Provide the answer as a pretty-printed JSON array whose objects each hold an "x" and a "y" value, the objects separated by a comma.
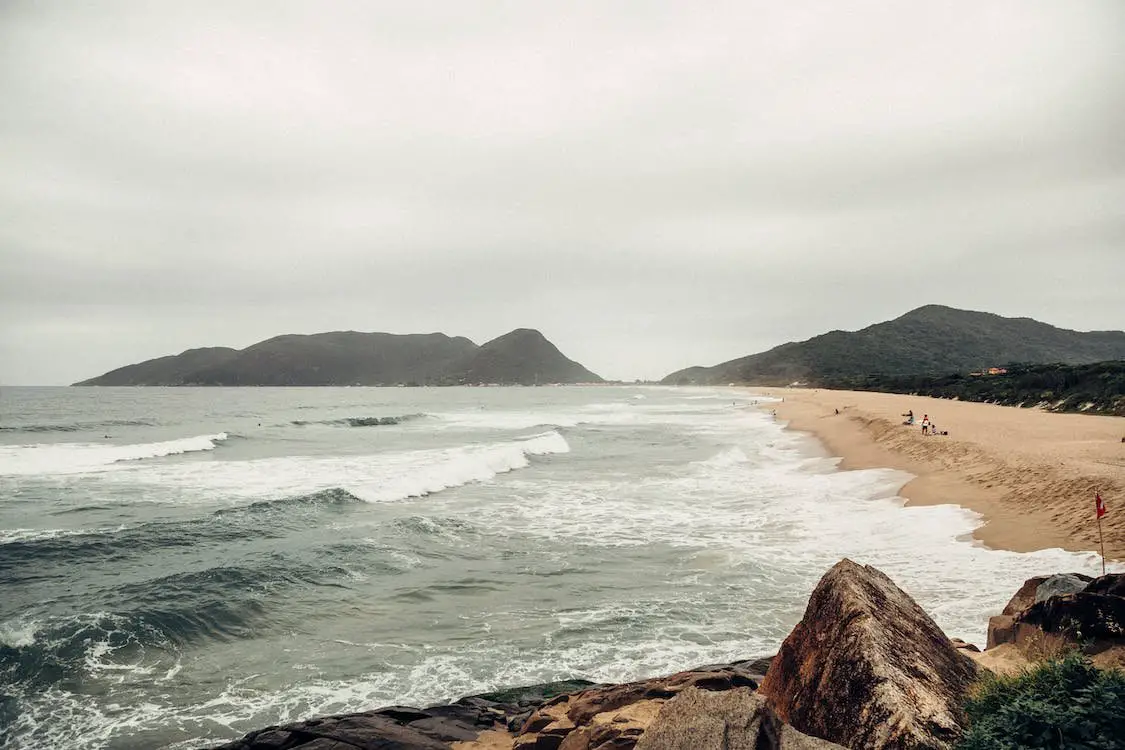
[{"x": 653, "y": 185}]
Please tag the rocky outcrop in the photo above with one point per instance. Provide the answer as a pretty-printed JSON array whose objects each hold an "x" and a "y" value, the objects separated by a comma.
[
  {"x": 571, "y": 714},
  {"x": 1091, "y": 620},
  {"x": 1059, "y": 585},
  {"x": 1065, "y": 612},
  {"x": 867, "y": 667},
  {"x": 390, "y": 728},
  {"x": 616, "y": 716},
  {"x": 733, "y": 720}
]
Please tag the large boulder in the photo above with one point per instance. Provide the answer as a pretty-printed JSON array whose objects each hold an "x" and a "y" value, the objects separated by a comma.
[
  {"x": 732, "y": 720},
  {"x": 1002, "y": 627},
  {"x": 342, "y": 733},
  {"x": 1090, "y": 618},
  {"x": 1082, "y": 616},
  {"x": 867, "y": 668},
  {"x": 1060, "y": 584},
  {"x": 391, "y": 728},
  {"x": 616, "y": 716}
]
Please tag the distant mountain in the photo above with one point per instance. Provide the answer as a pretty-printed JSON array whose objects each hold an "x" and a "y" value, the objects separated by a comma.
[
  {"x": 523, "y": 356},
  {"x": 166, "y": 370},
  {"x": 931, "y": 340}
]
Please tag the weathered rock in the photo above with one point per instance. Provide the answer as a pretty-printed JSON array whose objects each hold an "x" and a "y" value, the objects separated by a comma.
[
  {"x": 732, "y": 720},
  {"x": 566, "y": 715},
  {"x": 584, "y": 705},
  {"x": 961, "y": 645},
  {"x": 1001, "y": 630},
  {"x": 614, "y": 716},
  {"x": 1024, "y": 596},
  {"x": 1078, "y": 617},
  {"x": 1110, "y": 585},
  {"x": 339, "y": 733},
  {"x": 1090, "y": 619},
  {"x": 1002, "y": 627},
  {"x": 867, "y": 667},
  {"x": 1059, "y": 585}
]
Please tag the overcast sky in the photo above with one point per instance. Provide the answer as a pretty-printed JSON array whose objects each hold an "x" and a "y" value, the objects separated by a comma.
[{"x": 651, "y": 184}]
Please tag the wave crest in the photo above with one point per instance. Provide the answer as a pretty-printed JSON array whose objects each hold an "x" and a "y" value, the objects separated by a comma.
[
  {"x": 78, "y": 426},
  {"x": 360, "y": 421},
  {"x": 79, "y": 458}
]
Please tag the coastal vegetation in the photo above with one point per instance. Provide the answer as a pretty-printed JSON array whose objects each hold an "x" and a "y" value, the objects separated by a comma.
[
  {"x": 1061, "y": 703},
  {"x": 1097, "y": 388}
]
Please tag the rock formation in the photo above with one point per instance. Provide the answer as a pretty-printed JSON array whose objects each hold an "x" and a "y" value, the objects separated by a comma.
[
  {"x": 1053, "y": 614},
  {"x": 867, "y": 667},
  {"x": 732, "y": 720}
]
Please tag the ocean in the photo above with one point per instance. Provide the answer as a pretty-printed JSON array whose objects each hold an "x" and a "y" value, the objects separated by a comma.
[{"x": 180, "y": 566}]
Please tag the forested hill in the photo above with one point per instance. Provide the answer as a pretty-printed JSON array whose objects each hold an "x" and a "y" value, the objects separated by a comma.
[
  {"x": 931, "y": 340},
  {"x": 1097, "y": 388},
  {"x": 522, "y": 357}
]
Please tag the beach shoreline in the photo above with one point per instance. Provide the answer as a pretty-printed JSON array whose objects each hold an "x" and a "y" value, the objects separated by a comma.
[{"x": 1030, "y": 474}]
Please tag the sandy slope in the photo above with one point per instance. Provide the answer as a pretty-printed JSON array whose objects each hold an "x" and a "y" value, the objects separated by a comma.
[{"x": 1030, "y": 473}]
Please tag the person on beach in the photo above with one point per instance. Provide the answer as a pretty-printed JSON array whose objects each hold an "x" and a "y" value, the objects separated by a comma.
[{"x": 925, "y": 424}]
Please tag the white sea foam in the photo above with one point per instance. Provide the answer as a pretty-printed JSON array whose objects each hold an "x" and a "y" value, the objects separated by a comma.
[
  {"x": 78, "y": 458},
  {"x": 507, "y": 420},
  {"x": 626, "y": 411},
  {"x": 737, "y": 538},
  {"x": 9, "y": 536},
  {"x": 780, "y": 516},
  {"x": 19, "y": 632},
  {"x": 375, "y": 478}
]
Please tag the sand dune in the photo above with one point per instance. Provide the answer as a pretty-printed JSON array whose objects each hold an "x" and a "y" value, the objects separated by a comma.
[{"x": 1031, "y": 474}]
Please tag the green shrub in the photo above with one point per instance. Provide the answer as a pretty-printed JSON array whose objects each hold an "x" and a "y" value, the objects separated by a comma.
[{"x": 1063, "y": 703}]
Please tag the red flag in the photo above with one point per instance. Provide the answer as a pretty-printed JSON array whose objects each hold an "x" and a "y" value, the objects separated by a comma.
[{"x": 1099, "y": 505}]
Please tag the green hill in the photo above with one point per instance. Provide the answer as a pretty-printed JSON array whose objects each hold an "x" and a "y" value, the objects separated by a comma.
[
  {"x": 523, "y": 356},
  {"x": 931, "y": 340},
  {"x": 1097, "y": 388}
]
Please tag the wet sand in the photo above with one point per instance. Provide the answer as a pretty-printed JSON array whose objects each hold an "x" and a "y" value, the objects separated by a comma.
[{"x": 1030, "y": 474}]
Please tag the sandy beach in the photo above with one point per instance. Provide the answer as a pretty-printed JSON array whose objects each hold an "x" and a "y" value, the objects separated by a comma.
[{"x": 1030, "y": 474}]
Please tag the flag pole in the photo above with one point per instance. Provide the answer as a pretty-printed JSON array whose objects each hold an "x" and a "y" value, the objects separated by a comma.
[{"x": 1101, "y": 539}]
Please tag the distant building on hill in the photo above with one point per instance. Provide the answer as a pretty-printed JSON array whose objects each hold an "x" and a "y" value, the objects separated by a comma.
[{"x": 990, "y": 371}]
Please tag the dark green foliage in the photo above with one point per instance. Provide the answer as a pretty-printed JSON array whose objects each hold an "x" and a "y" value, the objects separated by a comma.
[
  {"x": 1064, "y": 703},
  {"x": 1097, "y": 388}
]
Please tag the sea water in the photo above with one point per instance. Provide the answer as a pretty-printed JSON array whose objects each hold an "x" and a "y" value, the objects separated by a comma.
[{"x": 181, "y": 566}]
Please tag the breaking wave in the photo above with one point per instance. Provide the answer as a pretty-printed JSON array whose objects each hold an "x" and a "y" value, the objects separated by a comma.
[
  {"x": 78, "y": 426},
  {"x": 360, "y": 421},
  {"x": 78, "y": 458},
  {"x": 373, "y": 478},
  {"x": 27, "y": 551}
]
